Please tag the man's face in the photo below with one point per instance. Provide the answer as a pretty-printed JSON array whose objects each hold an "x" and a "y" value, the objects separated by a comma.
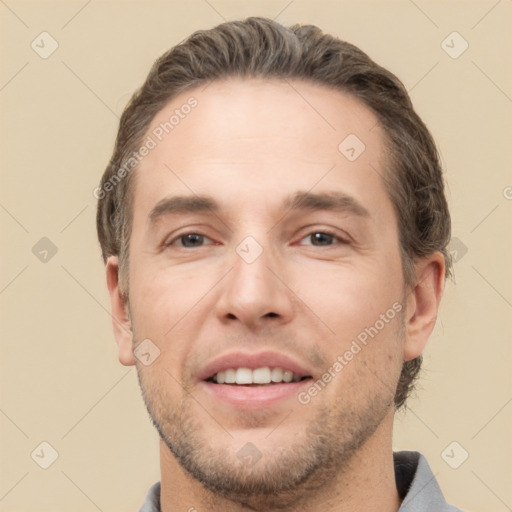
[{"x": 263, "y": 283}]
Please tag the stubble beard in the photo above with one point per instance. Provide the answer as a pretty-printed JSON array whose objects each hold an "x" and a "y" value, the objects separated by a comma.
[{"x": 285, "y": 474}]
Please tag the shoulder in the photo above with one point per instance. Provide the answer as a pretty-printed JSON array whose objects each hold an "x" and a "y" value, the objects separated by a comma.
[
  {"x": 152, "y": 501},
  {"x": 417, "y": 485}
]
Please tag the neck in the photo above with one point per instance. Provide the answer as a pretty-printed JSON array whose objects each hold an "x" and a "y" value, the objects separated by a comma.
[{"x": 366, "y": 482}]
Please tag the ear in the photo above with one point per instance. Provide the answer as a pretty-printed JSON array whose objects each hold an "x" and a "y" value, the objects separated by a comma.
[
  {"x": 120, "y": 315},
  {"x": 423, "y": 303}
]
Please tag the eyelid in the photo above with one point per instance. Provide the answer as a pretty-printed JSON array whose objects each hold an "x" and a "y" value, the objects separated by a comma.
[
  {"x": 168, "y": 241},
  {"x": 339, "y": 234},
  {"x": 342, "y": 237}
]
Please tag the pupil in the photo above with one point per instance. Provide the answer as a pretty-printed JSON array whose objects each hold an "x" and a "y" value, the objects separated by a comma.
[
  {"x": 319, "y": 237},
  {"x": 193, "y": 237}
]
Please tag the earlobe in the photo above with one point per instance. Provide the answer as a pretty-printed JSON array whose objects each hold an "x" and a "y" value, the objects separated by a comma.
[
  {"x": 120, "y": 317},
  {"x": 423, "y": 304}
]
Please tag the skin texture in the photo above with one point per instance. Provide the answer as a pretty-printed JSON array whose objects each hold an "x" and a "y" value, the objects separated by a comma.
[{"x": 250, "y": 143}]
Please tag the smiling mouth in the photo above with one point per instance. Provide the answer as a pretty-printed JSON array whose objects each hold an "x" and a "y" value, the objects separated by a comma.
[{"x": 264, "y": 376}]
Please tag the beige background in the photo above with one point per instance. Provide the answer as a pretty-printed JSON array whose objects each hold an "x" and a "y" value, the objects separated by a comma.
[{"x": 60, "y": 379}]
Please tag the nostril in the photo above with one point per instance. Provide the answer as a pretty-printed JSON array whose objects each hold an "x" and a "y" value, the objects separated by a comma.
[{"x": 272, "y": 314}]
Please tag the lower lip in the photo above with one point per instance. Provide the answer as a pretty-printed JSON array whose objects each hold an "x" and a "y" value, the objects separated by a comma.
[{"x": 254, "y": 397}]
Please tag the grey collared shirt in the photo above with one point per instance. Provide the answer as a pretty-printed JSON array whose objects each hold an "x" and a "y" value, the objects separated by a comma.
[{"x": 415, "y": 482}]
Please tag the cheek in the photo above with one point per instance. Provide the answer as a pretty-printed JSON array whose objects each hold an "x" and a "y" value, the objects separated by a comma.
[
  {"x": 160, "y": 299},
  {"x": 170, "y": 307},
  {"x": 348, "y": 297},
  {"x": 368, "y": 364},
  {"x": 161, "y": 391},
  {"x": 362, "y": 305}
]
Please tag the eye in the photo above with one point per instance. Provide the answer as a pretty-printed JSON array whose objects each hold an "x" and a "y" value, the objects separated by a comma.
[
  {"x": 188, "y": 240},
  {"x": 324, "y": 238},
  {"x": 320, "y": 238}
]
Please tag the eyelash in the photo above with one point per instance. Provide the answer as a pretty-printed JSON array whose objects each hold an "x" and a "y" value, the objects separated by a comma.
[{"x": 322, "y": 231}]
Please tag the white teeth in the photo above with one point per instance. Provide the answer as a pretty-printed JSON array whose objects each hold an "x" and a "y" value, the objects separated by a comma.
[
  {"x": 277, "y": 375},
  {"x": 244, "y": 376},
  {"x": 230, "y": 376},
  {"x": 263, "y": 375}
]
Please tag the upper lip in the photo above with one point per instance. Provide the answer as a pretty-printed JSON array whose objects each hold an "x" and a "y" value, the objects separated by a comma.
[{"x": 252, "y": 361}]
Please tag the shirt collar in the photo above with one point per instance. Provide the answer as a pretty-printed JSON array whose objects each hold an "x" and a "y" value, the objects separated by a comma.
[
  {"x": 417, "y": 485},
  {"x": 415, "y": 482}
]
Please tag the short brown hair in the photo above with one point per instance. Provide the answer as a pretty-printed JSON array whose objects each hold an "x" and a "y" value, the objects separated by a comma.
[{"x": 259, "y": 47}]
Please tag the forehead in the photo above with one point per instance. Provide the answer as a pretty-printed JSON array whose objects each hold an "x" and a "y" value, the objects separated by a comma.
[
  {"x": 242, "y": 108},
  {"x": 268, "y": 136}
]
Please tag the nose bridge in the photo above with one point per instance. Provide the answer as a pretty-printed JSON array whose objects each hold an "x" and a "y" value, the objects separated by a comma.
[
  {"x": 252, "y": 291},
  {"x": 250, "y": 268}
]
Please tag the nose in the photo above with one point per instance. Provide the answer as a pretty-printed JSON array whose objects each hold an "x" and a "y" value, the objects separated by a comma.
[{"x": 255, "y": 292}]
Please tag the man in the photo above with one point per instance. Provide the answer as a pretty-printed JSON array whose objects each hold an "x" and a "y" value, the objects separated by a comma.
[{"x": 274, "y": 227}]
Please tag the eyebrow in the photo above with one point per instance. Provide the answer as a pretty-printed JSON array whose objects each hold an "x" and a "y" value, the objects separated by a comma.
[{"x": 306, "y": 201}]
